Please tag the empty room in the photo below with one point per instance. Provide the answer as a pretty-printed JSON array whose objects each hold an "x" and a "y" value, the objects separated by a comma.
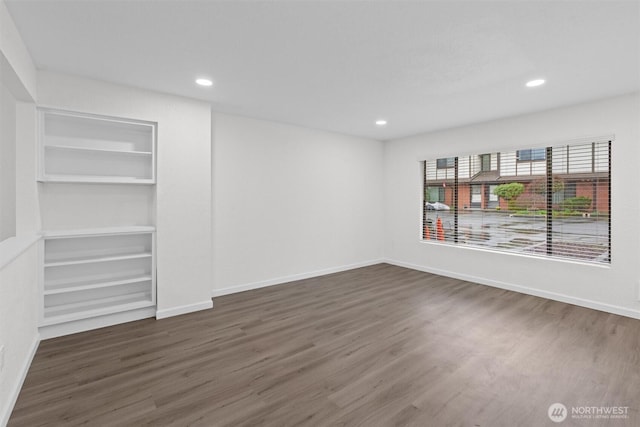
[{"x": 319, "y": 213}]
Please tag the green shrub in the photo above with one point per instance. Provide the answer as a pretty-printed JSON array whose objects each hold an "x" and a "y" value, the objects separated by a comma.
[
  {"x": 578, "y": 204},
  {"x": 509, "y": 192}
]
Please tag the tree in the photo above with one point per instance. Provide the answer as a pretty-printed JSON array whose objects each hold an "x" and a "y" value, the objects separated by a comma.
[
  {"x": 536, "y": 199},
  {"x": 509, "y": 192}
]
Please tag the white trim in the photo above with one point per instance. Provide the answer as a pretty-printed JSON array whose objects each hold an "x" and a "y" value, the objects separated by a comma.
[
  {"x": 15, "y": 392},
  {"x": 292, "y": 278},
  {"x": 608, "y": 308},
  {"x": 13, "y": 247},
  {"x": 184, "y": 309},
  {"x": 511, "y": 252}
]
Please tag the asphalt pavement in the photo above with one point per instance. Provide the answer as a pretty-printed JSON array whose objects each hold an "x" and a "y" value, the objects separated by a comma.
[{"x": 574, "y": 237}]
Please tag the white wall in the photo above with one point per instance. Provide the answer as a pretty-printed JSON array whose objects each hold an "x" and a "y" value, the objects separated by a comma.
[
  {"x": 28, "y": 213},
  {"x": 613, "y": 288},
  {"x": 70, "y": 206},
  {"x": 18, "y": 255},
  {"x": 7, "y": 163},
  {"x": 291, "y": 202},
  {"x": 18, "y": 70},
  {"x": 183, "y": 191},
  {"x": 18, "y": 325}
]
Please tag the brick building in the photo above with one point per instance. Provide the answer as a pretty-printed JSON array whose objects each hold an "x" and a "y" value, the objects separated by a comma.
[{"x": 577, "y": 171}]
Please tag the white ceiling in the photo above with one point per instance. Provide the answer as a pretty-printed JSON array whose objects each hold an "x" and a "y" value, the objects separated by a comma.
[{"x": 340, "y": 66}]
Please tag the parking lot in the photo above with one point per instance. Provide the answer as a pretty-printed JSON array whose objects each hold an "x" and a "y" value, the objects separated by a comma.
[{"x": 574, "y": 237}]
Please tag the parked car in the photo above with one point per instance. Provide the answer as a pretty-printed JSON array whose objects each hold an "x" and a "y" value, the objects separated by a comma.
[{"x": 437, "y": 206}]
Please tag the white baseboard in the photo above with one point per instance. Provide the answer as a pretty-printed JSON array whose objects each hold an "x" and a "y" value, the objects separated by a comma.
[
  {"x": 184, "y": 309},
  {"x": 608, "y": 308},
  {"x": 292, "y": 278},
  {"x": 15, "y": 391}
]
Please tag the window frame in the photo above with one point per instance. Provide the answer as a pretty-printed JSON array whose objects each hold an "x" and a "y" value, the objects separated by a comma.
[
  {"x": 449, "y": 163},
  {"x": 556, "y": 241},
  {"x": 541, "y": 152},
  {"x": 488, "y": 162}
]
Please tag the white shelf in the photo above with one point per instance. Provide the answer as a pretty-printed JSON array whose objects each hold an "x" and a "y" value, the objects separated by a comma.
[
  {"x": 96, "y": 260},
  {"x": 65, "y": 287},
  {"x": 98, "y": 150},
  {"x": 93, "y": 272},
  {"x": 78, "y": 147},
  {"x": 70, "y": 179},
  {"x": 88, "y": 281},
  {"x": 86, "y": 232},
  {"x": 101, "y": 307}
]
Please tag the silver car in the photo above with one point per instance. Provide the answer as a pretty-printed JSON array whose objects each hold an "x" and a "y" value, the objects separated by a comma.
[{"x": 437, "y": 206}]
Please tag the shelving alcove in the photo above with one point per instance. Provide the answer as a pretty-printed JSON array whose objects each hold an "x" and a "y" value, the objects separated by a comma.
[
  {"x": 79, "y": 147},
  {"x": 99, "y": 276},
  {"x": 94, "y": 272}
]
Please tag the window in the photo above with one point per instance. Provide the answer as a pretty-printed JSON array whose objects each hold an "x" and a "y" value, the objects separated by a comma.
[
  {"x": 531, "y": 154},
  {"x": 485, "y": 162},
  {"x": 445, "y": 163},
  {"x": 434, "y": 194},
  {"x": 561, "y": 208}
]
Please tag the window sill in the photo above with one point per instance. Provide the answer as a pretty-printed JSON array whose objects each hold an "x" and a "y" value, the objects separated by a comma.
[
  {"x": 518, "y": 254},
  {"x": 13, "y": 247}
]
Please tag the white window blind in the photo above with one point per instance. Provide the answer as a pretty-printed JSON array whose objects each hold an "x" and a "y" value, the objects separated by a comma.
[{"x": 555, "y": 202}]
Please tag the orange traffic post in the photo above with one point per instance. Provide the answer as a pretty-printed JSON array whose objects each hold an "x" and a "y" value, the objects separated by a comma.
[
  {"x": 439, "y": 230},
  {"x": 427, "y": 233}
]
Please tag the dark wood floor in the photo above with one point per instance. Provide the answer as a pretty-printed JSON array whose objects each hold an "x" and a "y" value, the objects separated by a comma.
[{"x": 376, "y": 346}]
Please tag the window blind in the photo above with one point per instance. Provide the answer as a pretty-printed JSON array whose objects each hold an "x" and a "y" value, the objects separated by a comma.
[{"x": 557, "y": 203}]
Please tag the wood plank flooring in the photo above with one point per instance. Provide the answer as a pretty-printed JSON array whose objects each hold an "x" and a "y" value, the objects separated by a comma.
[{"x": 376, "y": 346}]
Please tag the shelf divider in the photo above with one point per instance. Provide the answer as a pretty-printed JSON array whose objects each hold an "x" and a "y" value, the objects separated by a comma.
[
  {"x": 97, "y": 285},
  {"x": 98, "y": 150},
  {"x": 97, "y": 259}
]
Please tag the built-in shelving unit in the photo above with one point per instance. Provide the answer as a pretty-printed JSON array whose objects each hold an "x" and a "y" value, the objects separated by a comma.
[
  {"x": 89, "y": 273},
  {"x": 95, "y": 277},
  {"x": 78, "y": 147}
]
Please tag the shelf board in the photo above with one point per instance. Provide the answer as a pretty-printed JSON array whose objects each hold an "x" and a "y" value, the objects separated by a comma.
[
  {"x": 100, "y": 307},
  {"x": 70, "y": 287},
  {"x": 68, "y": 282},
  {"x": 78, "y": 261},
  {"x": 97, "y": 150},
  {"x": 96, "y": 179},
  {"x": 88, "y": 232}
]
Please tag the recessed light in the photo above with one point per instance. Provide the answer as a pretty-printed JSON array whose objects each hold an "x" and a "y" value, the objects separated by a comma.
[
  {"x": 204, "y": 82},
  {"x": 381, "y": 122},
  {"x": 536, "y": 82}
]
